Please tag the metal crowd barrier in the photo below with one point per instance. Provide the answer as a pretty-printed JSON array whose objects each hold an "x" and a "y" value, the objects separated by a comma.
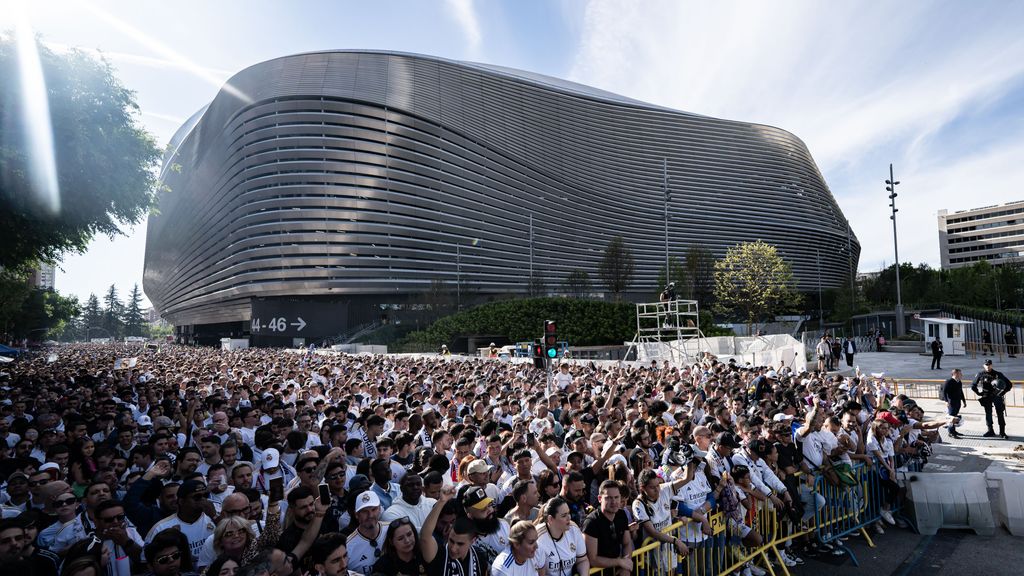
[
  {"x": 927, "y": 388},
  {"x": 847, "y": 509}
]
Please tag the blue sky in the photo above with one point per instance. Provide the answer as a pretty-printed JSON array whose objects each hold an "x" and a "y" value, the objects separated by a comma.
[{"x": 937, "y": 88}]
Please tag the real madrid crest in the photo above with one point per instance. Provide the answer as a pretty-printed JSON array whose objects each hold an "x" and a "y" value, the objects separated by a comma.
[{"x": 572, "y": 546}]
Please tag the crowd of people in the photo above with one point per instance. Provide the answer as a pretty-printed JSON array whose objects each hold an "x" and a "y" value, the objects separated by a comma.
[{"x": 122, "y": 460}]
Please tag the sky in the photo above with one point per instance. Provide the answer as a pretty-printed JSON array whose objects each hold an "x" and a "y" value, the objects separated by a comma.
[{"x": 934, "y": 87}]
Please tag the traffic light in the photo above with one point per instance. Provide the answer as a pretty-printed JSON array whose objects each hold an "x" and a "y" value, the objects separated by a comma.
[
  {"x": 550, "y": 339},
  {"x": 538, "y": 354}
]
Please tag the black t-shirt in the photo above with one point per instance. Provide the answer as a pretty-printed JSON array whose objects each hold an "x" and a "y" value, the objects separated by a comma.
[
  {"x": 291, "y": 535},
  {"x": 393, "y": 566},
  {"x": 608, "y": 532},
  {"x": 788, "y": 455}
]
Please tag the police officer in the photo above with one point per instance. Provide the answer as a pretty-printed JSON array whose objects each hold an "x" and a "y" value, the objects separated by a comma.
[{"x": 990, "y": 385}]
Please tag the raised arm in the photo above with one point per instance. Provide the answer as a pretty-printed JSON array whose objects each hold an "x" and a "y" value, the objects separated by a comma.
[{"x": 428, "y": 546}]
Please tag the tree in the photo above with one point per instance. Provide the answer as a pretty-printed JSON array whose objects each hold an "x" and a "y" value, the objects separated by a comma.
[
  {"x": 112, "y": 319},
  {"x": 44, "y": 314},
  {"x": 678, "y": 276},
  {"x": 105, "y": 160},
  {"x": 134, "y": 321},
  {"x": 700, "y": 275},
  {"x": 616, "y": 267},
  {"x": 536, "y": 286},
  {"x": 14, "y": 291},
  {"x": 92, "y": 315},
  {"x": 752, "y": 282},
  {"x": 27, "y": 312},
  {"x": 577, "y": 283}
]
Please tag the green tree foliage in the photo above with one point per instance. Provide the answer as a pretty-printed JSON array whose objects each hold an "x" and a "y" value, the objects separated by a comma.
[
  {"x": 753, "y": 282},
  {"x": 92, "y": 317},
  {"x": 980, "y": 285},
  {"x": 580, "y": 322},
  {"x": 616, "y": 267},
  {"x": 33, "y": 313},
  {"x": 700, "y": 276},
  {"x": 14, "y": 291},
  {"x": 112, "y": 319},
  {"x": 134, "y": 321},
  {"x": 577, "y": 284},
  {"x": 678, "y": 276},
  {"x": 105, "y": 160}
]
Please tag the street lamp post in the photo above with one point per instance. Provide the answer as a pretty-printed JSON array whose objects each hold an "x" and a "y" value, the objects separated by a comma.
[
  {"x": 890, "y": 186},
  {"x": 668, "y": 272}
]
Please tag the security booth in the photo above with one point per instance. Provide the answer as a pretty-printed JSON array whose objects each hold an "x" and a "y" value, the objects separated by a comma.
[{"x": 949, "y": 331}]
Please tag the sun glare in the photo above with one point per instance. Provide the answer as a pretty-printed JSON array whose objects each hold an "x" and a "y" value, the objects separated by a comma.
[
  {"x": 167, "y": 52},
  {"x": 35, "y": 104}
]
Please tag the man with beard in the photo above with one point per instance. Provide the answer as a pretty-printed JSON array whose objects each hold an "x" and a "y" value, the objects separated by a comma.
[
  {"x": 574, "y": 492},
  {"x": 412, "y": 503},
  {"x": 366, "y": 542},
  {"x": 302, "y": 504},
  {"x": 492, "y": 532}
]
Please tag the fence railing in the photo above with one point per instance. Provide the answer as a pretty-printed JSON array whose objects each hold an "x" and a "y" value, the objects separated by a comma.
[
  {"x": 932, "y": 389},
  {"x": 839, "y": 510}
]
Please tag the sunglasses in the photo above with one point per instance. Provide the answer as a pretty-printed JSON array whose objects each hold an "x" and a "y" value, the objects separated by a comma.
[
  {"x": 308, "y": 470},
  {"x": 119, "y": 518},
  {"x": 65, "y": 502},
  {"x": 165, "y": 560},
  {"x": 199, "y": 496},
  {"x": 334, "y": 476}
]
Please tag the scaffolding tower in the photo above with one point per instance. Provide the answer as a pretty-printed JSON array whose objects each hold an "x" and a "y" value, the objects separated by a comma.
[{"x": 667, "y": 331}]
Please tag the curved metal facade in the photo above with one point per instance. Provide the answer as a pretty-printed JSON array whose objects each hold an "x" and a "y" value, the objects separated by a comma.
[{"x": 367, "y": 173}]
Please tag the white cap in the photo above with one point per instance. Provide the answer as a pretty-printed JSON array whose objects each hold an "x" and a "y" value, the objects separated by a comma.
[
  {"x": 772, "y": 374},
  {"x": 477, "y": 466},
  {"x": 271, "y": 458},
  {"x": 367, "y": 500},
  {"x": 145, "y": 420},
  {"x": 780, "y": 417}
]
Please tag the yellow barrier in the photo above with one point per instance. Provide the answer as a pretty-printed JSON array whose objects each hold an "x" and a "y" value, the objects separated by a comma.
[
  {"x": 656, "y": 558},
  {"x": 928, "y": 388}
]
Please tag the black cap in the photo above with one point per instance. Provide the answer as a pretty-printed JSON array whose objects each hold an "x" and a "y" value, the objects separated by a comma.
[
  {"x": 476, "y": 498},
  {"x": 728, "y": 440},
  {"x": 188, "y": 487},
  {"x": 988, "y": 362}
]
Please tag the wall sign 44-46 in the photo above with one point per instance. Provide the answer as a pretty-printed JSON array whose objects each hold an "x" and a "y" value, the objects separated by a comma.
[{"x": 279, "y": 324}]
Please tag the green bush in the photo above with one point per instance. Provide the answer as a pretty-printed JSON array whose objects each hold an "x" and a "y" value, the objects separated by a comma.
[{"x": 580, "y": 322}]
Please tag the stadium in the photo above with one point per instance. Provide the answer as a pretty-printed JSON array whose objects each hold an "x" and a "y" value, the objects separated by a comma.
[{"x": 319, "y": 192}]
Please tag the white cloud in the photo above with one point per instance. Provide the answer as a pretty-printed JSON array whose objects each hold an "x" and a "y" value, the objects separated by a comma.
[
  {"x": 465, "y": 16},
  {"x": 856, "y": 82}
]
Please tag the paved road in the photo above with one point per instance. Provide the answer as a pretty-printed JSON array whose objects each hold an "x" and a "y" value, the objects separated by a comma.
[{"x": 901, "y": 552}]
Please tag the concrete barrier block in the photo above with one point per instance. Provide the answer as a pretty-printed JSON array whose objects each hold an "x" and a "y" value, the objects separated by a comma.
[
  {"x": 1010, "y": 504},
  {"x": 949, "y": 500}
]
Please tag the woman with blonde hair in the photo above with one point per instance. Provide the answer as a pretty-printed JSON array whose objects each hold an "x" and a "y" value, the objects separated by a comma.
[{"x": 520, "y": 558}]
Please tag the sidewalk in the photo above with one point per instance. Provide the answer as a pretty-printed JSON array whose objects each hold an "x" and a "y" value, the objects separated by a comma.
[{"x": 900, "y": 365}]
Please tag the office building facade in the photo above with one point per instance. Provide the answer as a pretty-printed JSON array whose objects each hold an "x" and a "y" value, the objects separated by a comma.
[
  {"x": 344, "y": 183},
  {"x": 992, "y": 233}
]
